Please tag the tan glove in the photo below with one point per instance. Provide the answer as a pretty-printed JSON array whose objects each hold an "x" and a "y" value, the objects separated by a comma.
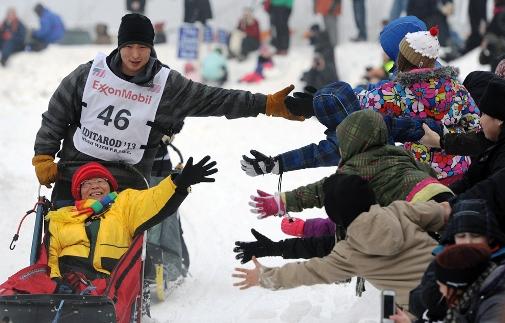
[
  {"x": 276, "y": 107},
  {"x": 45, "y": 169}
]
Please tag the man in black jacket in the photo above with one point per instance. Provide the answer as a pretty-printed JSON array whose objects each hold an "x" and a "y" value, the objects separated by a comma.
[{"x": 99, "y": 110}]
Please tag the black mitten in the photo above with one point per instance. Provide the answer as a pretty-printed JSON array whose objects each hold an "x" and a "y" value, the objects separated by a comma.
[{"x": 262, "y": 247}]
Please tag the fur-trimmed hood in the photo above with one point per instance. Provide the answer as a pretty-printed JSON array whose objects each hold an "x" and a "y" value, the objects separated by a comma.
[{"x": 425, "y": 74}]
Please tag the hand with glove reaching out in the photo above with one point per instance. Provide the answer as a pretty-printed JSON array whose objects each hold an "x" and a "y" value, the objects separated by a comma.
[
  {"x": 293, "y": 226},
  {"x": 262, "y": 247},
  {"x": 267, "y": 204},
  {"x": 260, "y": 164},
  {"x": 300, "y": 103},
  {"x": 276, "y": 106},
  {"x": 194, "y": 174}
]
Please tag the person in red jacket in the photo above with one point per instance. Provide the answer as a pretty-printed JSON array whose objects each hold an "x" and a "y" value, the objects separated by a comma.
[{"x": 246, "y": 38}]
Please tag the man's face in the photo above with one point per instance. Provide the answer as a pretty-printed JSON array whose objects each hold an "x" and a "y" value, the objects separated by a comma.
[
  {"x": 94, "y": 188},
  {"x": 134, "y": 57}
]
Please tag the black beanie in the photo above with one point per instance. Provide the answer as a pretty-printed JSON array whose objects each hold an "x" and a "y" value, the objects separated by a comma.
[
  {"x": 476, "y": 83},
  {"x": 492, "y": 102},
  {"x": 473, "y": 215},
  {"x": 135, "y": 29},
  {"x": 458, "y": 266},
  {"x": 346, "y": 197}
]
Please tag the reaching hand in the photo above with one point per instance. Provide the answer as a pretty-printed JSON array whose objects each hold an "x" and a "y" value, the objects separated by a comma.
[
  {"x": 300, "y": 103},
  {"x": 262, "y": 247},
  {"x": 430, "y": 138},
  {"x": 400, "y": 317},
  {"x": 194, "y": 174},
  {"x": 267, "y": 204},
  {"x": 276, "y": 107},
  {"x": 251, "y": 276},
  {"x": 260, "y": 164},
  {"x": 292, "y": 226}
]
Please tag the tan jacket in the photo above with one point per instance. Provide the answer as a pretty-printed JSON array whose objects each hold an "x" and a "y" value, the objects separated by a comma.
[{"x": 387, "y": 245}]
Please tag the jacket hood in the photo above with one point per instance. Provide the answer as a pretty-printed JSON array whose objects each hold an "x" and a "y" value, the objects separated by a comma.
[
  {"x": 426, "y": 74},
  {"x": 376, "y": 233},
  {"x": 476, "y": 83},
  {"x": 393, "y": 33},
  {"x": 361, "y": 131},
  {"x": 333, "y": 103}
]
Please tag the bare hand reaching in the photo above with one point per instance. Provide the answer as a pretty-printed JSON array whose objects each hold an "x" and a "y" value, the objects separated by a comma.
[
  {"x": 251, "y": 277},
  {"x": 430, "y": 138}
]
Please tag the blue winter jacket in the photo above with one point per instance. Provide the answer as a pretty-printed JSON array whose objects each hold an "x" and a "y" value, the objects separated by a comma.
[
  {"x": 51, "y": 28},
  {"x": 332, "y": 104}
]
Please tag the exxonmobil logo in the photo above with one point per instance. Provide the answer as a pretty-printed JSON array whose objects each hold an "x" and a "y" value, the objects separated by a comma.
[{"x": 107, "y": 90}]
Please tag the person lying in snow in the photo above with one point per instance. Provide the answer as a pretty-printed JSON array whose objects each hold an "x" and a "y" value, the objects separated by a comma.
[{"x": 396, "y": 263}]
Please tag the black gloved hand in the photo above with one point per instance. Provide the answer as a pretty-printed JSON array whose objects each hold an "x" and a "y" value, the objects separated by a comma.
[
  {"x": 300, "y": 103},
  {"x": 263, "y": 247},
  {"x": 260, "y": 164},
  {"x": 194, "y": 174}
]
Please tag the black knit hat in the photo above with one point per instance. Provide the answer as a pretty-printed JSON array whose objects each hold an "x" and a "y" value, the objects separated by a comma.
[
  {"x": 135, "y": 29},
  {"x": 346, "y": 197},
  {"x": 476, "y": 83},
  {"x": 460, "y": 265},
  {"x": 473, "y": 216},
  {"x": 492, "y": 102}
]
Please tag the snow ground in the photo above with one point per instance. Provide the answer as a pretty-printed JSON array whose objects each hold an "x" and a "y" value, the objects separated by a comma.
[{"x": 214, "y": 215}]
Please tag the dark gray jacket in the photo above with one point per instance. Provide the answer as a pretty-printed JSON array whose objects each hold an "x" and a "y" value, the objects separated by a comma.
[
  {"x": 181, "y": 98},
  {"x": 487, "y": 305}
]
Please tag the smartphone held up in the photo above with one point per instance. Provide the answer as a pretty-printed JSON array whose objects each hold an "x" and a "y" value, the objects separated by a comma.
[{"x": 388, "y": 307}]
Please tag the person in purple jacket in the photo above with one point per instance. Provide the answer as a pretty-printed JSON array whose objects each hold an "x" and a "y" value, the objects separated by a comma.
[{"x": 51, "y": 29}]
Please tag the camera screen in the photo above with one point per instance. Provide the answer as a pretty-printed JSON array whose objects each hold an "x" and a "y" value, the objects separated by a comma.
[{"x": 388, "y": 309}]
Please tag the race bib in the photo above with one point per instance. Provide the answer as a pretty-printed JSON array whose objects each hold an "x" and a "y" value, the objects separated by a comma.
[{"x": 115, "y": 114}]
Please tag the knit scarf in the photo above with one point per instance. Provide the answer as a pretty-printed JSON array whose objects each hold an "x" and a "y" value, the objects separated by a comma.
[
  {"x": 465, "y": 301},
  {"x": 84, "y": 209}
]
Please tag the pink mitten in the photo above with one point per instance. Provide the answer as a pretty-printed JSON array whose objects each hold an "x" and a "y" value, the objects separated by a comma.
[
  {"x": 292, "y": 226},
  {"x": 267, "y": 204}
]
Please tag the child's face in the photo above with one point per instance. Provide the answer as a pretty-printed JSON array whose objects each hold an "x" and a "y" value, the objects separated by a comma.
[{"x": 469, "y": 237}]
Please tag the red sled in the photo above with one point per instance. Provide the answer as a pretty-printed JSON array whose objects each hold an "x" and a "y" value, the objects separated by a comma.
[{"x": 28, "y": 295}]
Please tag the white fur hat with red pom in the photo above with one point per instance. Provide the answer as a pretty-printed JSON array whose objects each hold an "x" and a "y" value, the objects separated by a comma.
[{"x": 421, "y": 48}]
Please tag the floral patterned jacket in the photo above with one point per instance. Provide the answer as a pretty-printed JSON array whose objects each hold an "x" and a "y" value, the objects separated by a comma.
[{"x": 428, "y": 93}]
